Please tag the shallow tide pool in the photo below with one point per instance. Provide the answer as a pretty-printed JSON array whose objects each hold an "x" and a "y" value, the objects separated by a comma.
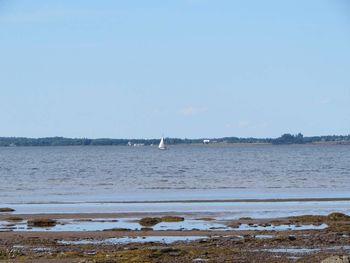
[
  {"x": 127, "y": 240},
  {"x": 132, "y": 224}
]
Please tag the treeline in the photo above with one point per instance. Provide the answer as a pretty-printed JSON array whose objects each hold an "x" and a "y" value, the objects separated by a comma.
[
  {"x": 61, "y": 141},
  {"x": 300, "y": 139}
]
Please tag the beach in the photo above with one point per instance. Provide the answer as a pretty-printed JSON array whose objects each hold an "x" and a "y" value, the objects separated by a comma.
[{"x": 180, "y": 233}]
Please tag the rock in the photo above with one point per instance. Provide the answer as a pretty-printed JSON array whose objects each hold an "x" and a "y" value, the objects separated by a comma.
[
  {"x": 292, "y": 238},
  {"x": 282, "y": 237},
  {"x": 337, "y": 259},
  {"x": 146, "y": 229},
  {"x": 168, "y": 250},
  {"x": 235, "y": 225},
  {"x": 6, "y": 209},
  {"x": 150, "y": 221},
  {"x": 117, "y": 229},
  {"x": 265, "y": 225},
  {"x": 162, "y": 249},
  {"x": 41, "y": 223}
]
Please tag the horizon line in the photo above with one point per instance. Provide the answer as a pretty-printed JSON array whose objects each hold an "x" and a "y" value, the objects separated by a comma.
[{"x": 169, "y": 137}]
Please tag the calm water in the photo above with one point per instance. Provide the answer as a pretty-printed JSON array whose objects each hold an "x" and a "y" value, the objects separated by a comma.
[{"x": 61, "y": 174}]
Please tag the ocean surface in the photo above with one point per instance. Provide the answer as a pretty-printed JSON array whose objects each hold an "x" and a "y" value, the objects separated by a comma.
[{"x": 209, "y": 172}]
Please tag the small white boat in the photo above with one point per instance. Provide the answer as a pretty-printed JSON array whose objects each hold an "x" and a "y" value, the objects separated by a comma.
[{"x": 162, "y": 144}]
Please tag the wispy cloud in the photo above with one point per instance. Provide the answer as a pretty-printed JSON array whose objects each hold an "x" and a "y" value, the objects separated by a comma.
[
  {"x": 192, "y": 111},
  {"x": 243, "y": 124},
  {"x": 323, "y": 101},
  {"x": 247, "y": 125}
]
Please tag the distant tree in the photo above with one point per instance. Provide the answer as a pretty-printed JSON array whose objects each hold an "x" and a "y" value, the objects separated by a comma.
[{"x": 288, "y": 138}]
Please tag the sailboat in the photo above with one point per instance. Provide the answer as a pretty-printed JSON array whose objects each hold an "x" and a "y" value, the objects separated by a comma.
[{"x": 162, "y": 144}]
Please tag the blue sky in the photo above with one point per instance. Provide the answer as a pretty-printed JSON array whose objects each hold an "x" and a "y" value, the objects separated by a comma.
[{"x": 182, "y": 68}]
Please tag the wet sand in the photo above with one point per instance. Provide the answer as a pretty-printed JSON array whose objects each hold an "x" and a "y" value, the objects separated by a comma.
[
  {"x": 250, "y": 200},
  {"x": 230, "y": 208}
]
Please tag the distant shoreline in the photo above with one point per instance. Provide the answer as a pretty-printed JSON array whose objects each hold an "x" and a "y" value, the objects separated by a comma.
[
  {"x": 285, "y": 139},
  {"x": 184, "y": 144}
]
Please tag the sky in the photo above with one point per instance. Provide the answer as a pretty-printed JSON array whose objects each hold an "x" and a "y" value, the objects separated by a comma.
[{"x": 178, "y": 68}]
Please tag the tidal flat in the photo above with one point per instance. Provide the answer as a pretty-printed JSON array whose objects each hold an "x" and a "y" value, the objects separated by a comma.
[{"x": 171, "y": 237}]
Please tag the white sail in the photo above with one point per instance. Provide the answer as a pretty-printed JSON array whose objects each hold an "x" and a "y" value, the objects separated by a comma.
[{"x": 162, "y": 144}]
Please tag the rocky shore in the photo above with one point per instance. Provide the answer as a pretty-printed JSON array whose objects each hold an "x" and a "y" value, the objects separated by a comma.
[{"x": 160, "y": 237}]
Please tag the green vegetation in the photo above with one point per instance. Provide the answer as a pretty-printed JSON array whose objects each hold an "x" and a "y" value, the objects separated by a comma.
[
  {"x": 61, "y": 141},
  {"x": 335, "y": 216},
  {"x": 151, "y": 221},
  {"x": 172, "y": 219},
  {"x": 41, "y": 222},
  {"x": 338, "y": 217},
  {"x": 14, "y": 218}
]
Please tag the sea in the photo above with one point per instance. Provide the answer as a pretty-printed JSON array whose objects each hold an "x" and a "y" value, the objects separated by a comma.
[{"x": 69, "y": 175}]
